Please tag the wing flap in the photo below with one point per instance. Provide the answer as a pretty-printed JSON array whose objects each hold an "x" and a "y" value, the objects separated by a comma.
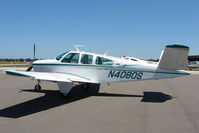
[{"x": 58, "y": 77}]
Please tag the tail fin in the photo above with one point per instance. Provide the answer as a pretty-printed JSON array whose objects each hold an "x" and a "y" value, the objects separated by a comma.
[{"x": 174, "y": 57}]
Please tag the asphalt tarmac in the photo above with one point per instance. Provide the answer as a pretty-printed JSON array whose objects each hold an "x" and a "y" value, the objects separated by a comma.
[{"x": 152, "y": 106}]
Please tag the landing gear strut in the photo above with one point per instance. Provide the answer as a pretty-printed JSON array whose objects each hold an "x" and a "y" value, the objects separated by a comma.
[
  {"x": 37, "y": 86},
  {"x": 65, "y": 88}
]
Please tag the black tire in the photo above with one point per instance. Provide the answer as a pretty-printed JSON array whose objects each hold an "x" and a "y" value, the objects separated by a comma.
[
  {"x": 66, "y": 96},
  {"x": 37, "y": 88},
  {"x": 85, "y": 86}
]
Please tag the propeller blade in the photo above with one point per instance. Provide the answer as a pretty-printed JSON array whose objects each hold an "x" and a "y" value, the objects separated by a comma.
[{"x": 29, "y": 69}]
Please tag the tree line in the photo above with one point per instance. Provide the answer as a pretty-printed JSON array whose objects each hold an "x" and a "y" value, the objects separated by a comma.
[
  {"x": 153, "y": 60},
  {"x": 17, "y": 60}
]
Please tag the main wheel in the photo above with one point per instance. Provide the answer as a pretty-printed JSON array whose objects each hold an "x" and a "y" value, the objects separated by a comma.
[
  {"x": 37, "y": 88},
  {"x": 66, "y": 95},
  {"x": 85, "y": 86}
]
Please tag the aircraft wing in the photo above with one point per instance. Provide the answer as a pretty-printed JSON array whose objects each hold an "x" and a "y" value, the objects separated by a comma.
[{"x": 46, "y": 76}]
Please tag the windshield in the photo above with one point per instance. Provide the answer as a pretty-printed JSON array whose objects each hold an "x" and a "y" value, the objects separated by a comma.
[
  {"x": 71, "y": 58},
  {"x": 60, "y": 56}
]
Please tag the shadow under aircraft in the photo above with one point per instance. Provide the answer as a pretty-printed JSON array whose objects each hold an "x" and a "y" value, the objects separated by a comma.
[{"x": 53, "y": 99}]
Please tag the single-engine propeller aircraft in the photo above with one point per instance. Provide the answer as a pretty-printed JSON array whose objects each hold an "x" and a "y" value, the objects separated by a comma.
[{"x": 83, "y": 68}]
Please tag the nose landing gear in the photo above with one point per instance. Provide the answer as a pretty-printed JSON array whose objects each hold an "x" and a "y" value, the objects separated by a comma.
[{"x": 37, "y": 86}]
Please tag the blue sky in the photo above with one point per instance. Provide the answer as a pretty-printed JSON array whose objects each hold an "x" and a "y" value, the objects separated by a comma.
[{"x": 139, "y": 28}]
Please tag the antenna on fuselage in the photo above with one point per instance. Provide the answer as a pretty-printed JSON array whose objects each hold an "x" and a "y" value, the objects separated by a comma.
[
  {"x": 106, "y": 52},
  {"x": 34, "y": 51},
  {"x": 76, "y": 47}
]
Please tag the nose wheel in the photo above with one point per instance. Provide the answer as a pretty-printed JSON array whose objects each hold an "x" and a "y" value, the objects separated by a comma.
[{"x": 37, "y": 87}]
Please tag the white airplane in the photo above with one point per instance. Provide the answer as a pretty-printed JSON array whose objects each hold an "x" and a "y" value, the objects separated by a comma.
[
  {"x": 83, "y": 68},
  {"x": 194, "y": 64}
]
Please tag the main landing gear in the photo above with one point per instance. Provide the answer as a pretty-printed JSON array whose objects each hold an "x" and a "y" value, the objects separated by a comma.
[
  {"x": 85, "y": 86},
  {"x": 37, "y": 86},
  {"x": 65, "y": 88}
]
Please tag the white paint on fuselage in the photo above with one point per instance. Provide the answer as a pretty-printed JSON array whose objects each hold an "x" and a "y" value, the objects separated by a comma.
[{"x": 121, "y": 70}]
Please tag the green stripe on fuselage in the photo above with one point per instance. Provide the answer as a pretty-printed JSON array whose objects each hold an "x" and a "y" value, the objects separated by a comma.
[{"x": 104, "y": 67}]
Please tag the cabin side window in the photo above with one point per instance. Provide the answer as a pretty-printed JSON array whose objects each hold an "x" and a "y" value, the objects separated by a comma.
[
  {"x": 134, "y": 60},
  {"x": 103, "y": 61},
  {"x": 71, "y": 58},
  {"x": 86, "y": 59}
]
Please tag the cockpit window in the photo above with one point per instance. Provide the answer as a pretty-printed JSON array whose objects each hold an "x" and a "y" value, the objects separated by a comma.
[
  {"x": 71, "y": 58},
  {"x": 60, "y": 56},
  {"x": 86, "y": 59},
  {"x": 103, "y": 61}
]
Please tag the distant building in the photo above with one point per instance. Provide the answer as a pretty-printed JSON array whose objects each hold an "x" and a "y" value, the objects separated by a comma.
[
  {"x": 192, "y": 58},
  {"x": 193, "y": 61}
]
